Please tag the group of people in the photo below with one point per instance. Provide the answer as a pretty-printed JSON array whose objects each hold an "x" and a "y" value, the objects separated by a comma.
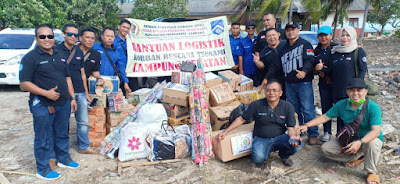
[
  {"x": 56, "y": 77},
  {"x": 285, "y": 64}
]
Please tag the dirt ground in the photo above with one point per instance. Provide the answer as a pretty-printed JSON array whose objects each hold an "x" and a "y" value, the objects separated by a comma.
[{"x": 16, "y": 150}]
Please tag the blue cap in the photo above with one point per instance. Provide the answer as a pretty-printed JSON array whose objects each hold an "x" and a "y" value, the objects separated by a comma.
[{"x": 325, "y": 30}]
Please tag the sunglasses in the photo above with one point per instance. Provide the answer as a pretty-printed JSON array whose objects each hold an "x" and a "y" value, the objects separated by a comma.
[
  {"x": 42, "y": 37},
  {"x": 250, "y": 27},
  {"x": 75, "y": 34}
]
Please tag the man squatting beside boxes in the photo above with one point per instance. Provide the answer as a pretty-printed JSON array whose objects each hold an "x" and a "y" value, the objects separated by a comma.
[
  {"x": 273, "y": 117},
  {"x": 45, "y": 74}
]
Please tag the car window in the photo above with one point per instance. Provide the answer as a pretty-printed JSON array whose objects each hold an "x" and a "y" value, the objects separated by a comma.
[
  {"x": 58, "y": 39},
  {"x": 312, "y": 38},
  {"x": 16, "y": 41}
]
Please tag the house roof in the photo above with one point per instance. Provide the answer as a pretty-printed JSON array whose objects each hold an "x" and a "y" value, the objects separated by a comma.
[{"x": 356, "y": 5}]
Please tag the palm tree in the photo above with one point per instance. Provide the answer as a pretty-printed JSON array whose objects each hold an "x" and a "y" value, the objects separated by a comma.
[
  {"x": 338, "y": 7},
  {"x": 364, "y": 21}
]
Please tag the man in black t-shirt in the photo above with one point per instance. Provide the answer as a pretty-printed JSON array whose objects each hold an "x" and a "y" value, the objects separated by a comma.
[
  {"x": 273, "y": 117},
  {"x": 44, "y": 73},
  {"x": 78, "y": 77}
]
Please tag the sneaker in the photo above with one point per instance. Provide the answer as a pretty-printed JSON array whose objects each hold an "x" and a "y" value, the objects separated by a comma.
[
  {"x": 326, "y": 137},
  {"x": 260, "y": 165},
  {"x": 48, "y": 175},
  {"x": 88, "y": 151},
  {"x": 288, "y": 162},
  {"x": 71, "y": 165}
]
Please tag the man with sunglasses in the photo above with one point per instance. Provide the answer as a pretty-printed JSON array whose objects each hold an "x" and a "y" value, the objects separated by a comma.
[
  {"x": 45, "y": 74},
  {"x": 245, "y": 52},
  {"x": 78, "y": 76},
  {"x": 273, "y": 117}
]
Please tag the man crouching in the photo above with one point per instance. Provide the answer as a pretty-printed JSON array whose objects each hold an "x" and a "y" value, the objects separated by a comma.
[
  {"x": 273, "y": 117},
  {"x": 369, "y": 140}
]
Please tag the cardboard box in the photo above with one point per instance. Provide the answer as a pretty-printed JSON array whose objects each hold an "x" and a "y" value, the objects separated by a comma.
[
  {"x": 176, "y": 94},
  {"x": 213, "y": 80},
  {"x": 246, "y": 84},
  {"x": 181, "y": 77},
  {"x": 175, "y": 111},
  {"x": 102, "y": 100},
  {"x": 231, "y": 77},
  {"x": 236, "y": 144},
  {"x": 219, "y": 115},
  {"x": 97, "y": 127},
  {"x": 247, "y": 97},
  {"x": 115, "y": 102},
  {"x": 95, "y": 142},
  {"x": 97, "y": 135},
  {"x": 111, "y": 85},
  {"x": 182, "y": 120},
  {"x": 137, "y": 96},
  {"x": 97, "y": 111},
  {"x": 97, "y": 119},
  {"x": 115, "y": 118},
  {"x": 221, "y": 94}
]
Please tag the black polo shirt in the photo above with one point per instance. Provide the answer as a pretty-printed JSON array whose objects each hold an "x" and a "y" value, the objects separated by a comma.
[
  {"x": 46, "y": 71},
  {"x": 272, "y": 62},
  {"x": 261, "y": 40},
  {"x": 270, "y": 122},
  {"x": 92, "y": 63},
  {"x": 74, "y": 66}
]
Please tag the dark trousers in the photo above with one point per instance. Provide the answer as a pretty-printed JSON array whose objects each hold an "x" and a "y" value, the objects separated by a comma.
[{"x": 326, "y": 103}]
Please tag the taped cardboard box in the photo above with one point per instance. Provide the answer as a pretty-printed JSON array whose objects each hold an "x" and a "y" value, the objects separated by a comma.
[
  {"x": 102, "y": 100},
  {"x": 213, "y": 80},
  {"x": 181, "y": 77},
  {"x": 115, "y": 101},
  {"x": 175, "y": 111},
  {"x": 97, "y": 119},
  {"x": 137, "y": 96},
  {"x": 179, "y": 121},
  {"x": 97, "y": 135},
  {"x": 96, "y": 111},
  {"x": 220, "y": 114},
  {"x": 176, "y": 94},
  {"x": 246, "y": 84},
  {"x": 247, "y": 97},
  {"x": 231, "y": 77},
  {"x": 111, "y": 85},
  {"x": 236, "y": 144},
  {"x": 221, "y": 94},
  {"x": 115, "y": 118},
  {"x": 97, "y": 127}
]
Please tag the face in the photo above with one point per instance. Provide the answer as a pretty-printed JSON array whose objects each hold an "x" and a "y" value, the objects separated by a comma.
[
  {"x": 45, "y": 44},
  {"x": 235, "y": 29},
  {"x": 124, "y": 29},
  {"x": 292, "y": 33},
  {"x": 69, "y": 35},
  {"x": 357, "y": 94},
  {"x": 273, "y": 92},
  {"x": 345, "y": 38},
  {"x": 108, "y": 37},
  {"x": 272, "y": 38},
  {"x": 250, "y": 30},
  {"x": 87, "y": 39},
  {"x": 325, "y": 39},
  {"x": 269, "y": 21}
]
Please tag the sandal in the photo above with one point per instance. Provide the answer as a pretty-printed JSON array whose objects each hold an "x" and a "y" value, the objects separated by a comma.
[
  {"x": 354, "y": 162},
  {"x": 372, "y": 178}
]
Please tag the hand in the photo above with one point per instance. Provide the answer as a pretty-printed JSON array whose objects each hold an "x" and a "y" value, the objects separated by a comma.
[
  {"x": 127, "y": 88},
  {"x": 52, "y": 94},
  {"x": 241, "y": 71},
  {"x": 264, "y": 83},
  {"x": 256, "y": 58},
  {"x": 302, "y": 128},
  {"x": 74, "y": 106},
  {"x": 321, "y": 74},
  {"x": 100, "y": 82},
  {"x": 300, "y": 74},
  {"x": 319, "y": 66},
  {"x": 235, "y": 67},
  {"x": 87, "y": 97},
  {"x": 353, "y": 147},
  {"x": 297, "y": 138},
  {"x": 221, "y": 136}
]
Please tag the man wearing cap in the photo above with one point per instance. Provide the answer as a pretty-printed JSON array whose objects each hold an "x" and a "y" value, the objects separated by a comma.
[
  {"x": 234, "y": 39},
  {"x": 323, "y": 50},
  {"x": 245, "y": 52},
  {"x": 297, "y": 59},
  {"x": 369, "y": 140}
]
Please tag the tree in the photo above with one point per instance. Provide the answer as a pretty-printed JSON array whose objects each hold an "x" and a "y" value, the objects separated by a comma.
[
  {"x": 339, "y": 8},
  {"x": 151, "y": 9},
  {"x": 364, "y": 21},
  {"x": 384, "y": 11}
]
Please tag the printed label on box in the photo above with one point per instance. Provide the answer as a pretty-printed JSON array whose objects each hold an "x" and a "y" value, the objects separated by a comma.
[{"x": 242, "y": 143}]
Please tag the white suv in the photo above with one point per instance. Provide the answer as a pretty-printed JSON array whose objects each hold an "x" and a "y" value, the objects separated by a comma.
[{"x": 14, "y": 44}]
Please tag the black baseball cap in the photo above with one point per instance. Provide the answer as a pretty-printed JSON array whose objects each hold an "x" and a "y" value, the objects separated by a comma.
[
  {"x": 251, "y": 23},
  {"x": 356, "y": 83},
  {"x": 292, "y": 25}
]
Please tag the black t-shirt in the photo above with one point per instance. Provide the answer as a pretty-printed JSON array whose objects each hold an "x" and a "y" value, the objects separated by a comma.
[
  {"x": 261, "y": 40},
  {"x": 319, "y": 52},
  {"x": 270, "y": 122},
  {"x": 46, "y": 71},
  {"x": 92, "y": 63},
  {"x": 272, "y": 62},
  {"x": 74, "y": 66}
]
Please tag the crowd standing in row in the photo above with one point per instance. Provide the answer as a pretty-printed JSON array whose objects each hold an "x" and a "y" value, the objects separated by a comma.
[{"x": 281, "y": 61}]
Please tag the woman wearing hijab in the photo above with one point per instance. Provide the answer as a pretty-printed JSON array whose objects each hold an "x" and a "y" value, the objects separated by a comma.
[{"x": 341, "y": 65}]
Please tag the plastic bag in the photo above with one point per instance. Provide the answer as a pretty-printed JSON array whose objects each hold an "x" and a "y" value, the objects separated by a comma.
[
  {"x": 238, "y": 111},
  {"x": 150, "y": 113},
  {"x": 132, "y": 142}
]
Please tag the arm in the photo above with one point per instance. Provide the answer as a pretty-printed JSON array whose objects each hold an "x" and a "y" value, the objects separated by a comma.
[
  {"x": 238, "y": 121},
  {"x": 71, "y": 92},
  {"x": 240, "y": 53},
  {"x": 308, "y": 58},
  {"x": 362, "y": 63},
  {"x": 85, "y": 84},
  {"x": 32, "y": 88},
  {"x": 354, "y": 146},
  {"x": 259, "y": 64},
  {"x": 122, "y": 68},
  {"x": 315, "y": 122},
  {"x": 241, "y": 65}
]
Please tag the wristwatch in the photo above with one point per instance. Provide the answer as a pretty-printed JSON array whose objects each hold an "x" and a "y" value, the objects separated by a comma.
[
  {"x": 73, "y": 98},
  {"x": 362, "y": 143}
]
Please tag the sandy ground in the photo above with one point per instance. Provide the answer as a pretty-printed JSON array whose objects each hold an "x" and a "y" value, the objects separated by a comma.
[{"x": 16, "y": 150}]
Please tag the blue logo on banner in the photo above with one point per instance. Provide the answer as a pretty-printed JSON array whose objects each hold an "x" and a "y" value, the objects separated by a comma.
[{"x": 217, "y": 27}]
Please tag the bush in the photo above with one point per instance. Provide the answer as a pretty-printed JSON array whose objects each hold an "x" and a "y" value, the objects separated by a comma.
[{"x": 396, "y": 34}]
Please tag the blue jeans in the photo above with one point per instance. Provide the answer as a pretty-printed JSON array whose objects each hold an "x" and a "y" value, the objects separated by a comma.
[
  {"x": 262, "y": 147},
  {"x": 301, "y": 96},
  {"x": 326, "y": 104},
  {"x": 51, "y": 133},
  {"x": 81, "y": 116}
]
